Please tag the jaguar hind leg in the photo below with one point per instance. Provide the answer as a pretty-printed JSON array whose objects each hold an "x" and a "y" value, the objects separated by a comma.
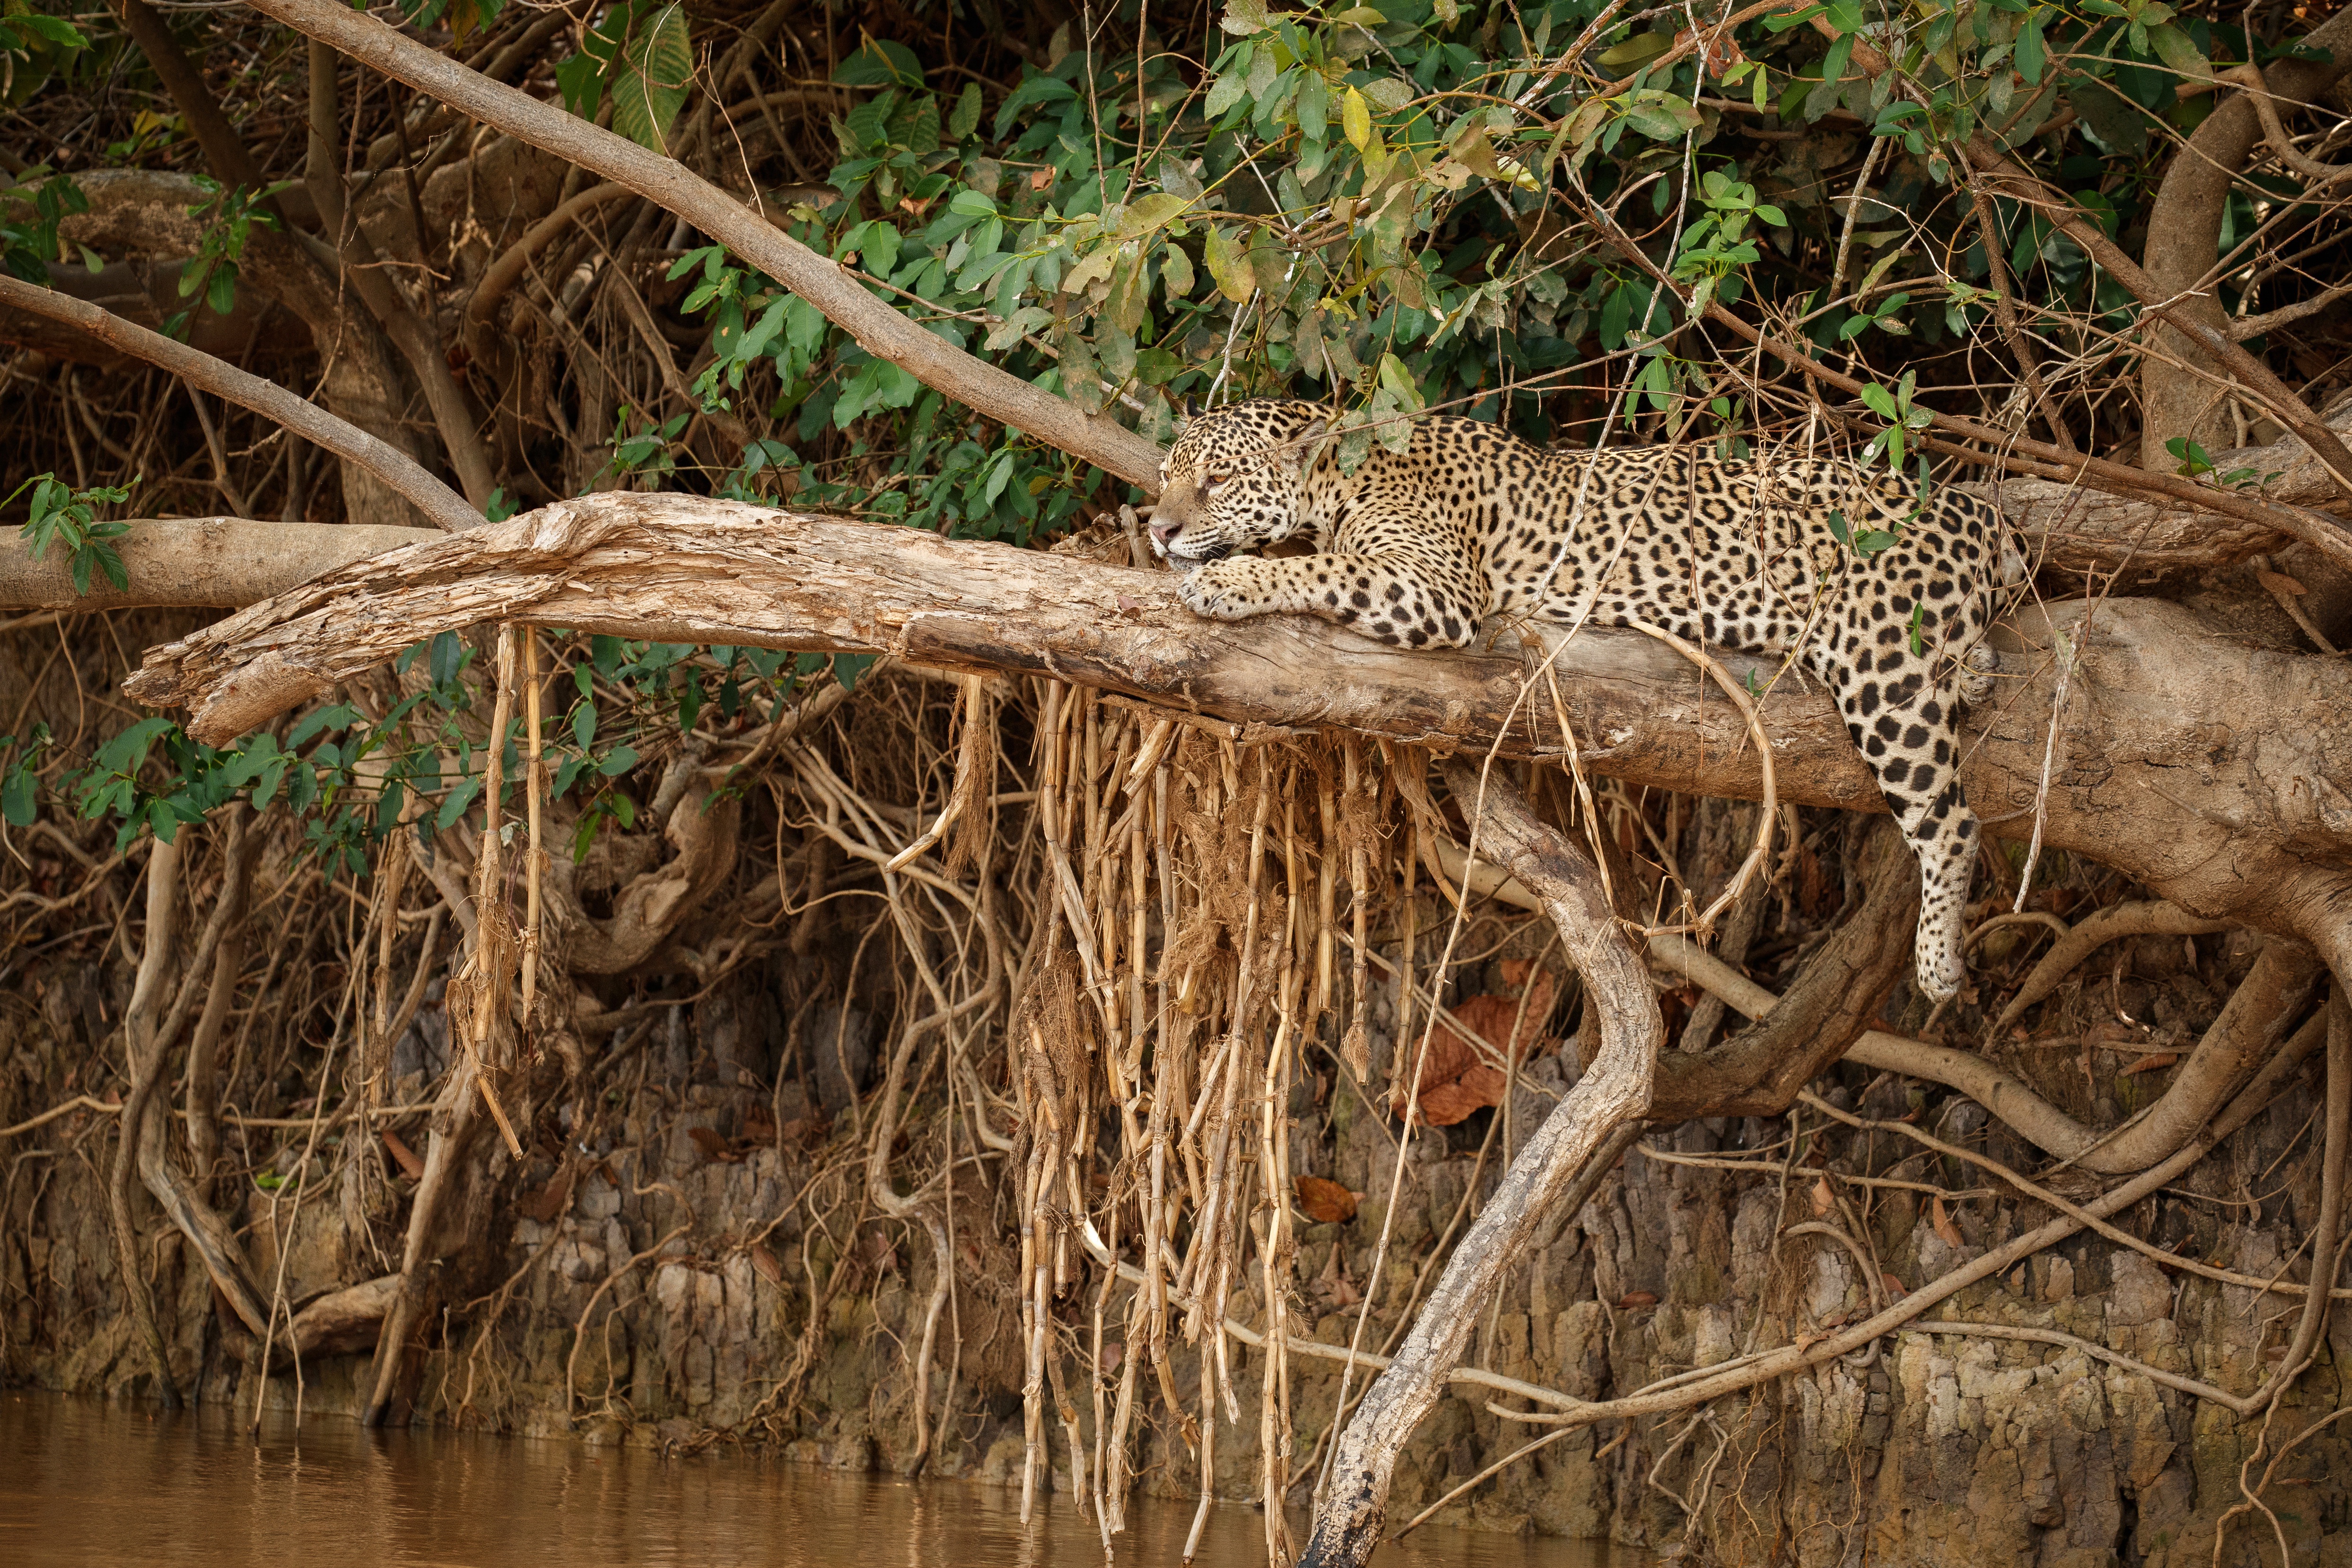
[{"x": 1905, "y": 731}]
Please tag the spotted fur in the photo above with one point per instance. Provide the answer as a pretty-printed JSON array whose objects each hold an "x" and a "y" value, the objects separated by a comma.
[{"x": 1414, "y": 548}]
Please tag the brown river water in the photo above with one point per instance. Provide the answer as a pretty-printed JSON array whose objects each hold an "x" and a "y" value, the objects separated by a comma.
[{"x": 87, "y": 1483}]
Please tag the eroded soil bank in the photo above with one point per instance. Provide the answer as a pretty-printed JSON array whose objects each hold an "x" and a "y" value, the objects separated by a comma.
[{"x": 701, "y": 1275}]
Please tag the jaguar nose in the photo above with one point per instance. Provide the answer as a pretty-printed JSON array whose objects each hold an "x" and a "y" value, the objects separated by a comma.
[{"x": 1162, "y": 533}]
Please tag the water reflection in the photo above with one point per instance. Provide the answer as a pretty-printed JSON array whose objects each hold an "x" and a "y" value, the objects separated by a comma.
[{"x": 83, "y": 1482}]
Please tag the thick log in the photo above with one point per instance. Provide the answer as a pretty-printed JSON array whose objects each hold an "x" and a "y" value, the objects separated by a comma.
[{"x": 2206, "y": 770}]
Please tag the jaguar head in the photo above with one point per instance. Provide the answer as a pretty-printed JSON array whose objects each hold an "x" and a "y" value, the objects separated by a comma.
[{"x": 1235, "y": 481}]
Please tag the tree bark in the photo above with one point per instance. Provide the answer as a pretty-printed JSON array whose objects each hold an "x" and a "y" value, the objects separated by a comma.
[{"x": 203, "y": 563}]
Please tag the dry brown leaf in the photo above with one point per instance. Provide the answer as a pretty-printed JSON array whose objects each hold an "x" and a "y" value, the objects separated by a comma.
[
  {"x": 1634, "y": 1300},
  {"x": 1823, "y": 1199},
  {"x": 2155, "y": 1062},
  {"x": 2280, "y": 583},
  {"x": 1943, "y": 1222},
  {"x": 713, "y": 1146},
  {"x": 547, "y": 1204},
  {"x": 410, "y": 1165},
  {"x": 1458, "y": 1076},
  {"x": 1718, "y": 50},
  {"x": 1325, "y": 1203},
  {"x": 764, "y": 1262},
  {"x": 1895, "y": 1290}
]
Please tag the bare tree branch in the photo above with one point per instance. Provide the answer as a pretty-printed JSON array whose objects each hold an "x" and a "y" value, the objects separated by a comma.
[
  {"x": 267, "y": 399},
  {"x": 878, "y": 329},
  {"x": 1613, "y": 1091},
  {"x": 205, "y": 563}
]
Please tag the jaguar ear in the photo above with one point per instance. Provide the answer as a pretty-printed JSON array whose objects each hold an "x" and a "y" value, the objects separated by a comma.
[
  {"x": 1190, "y": 409},
  {"x": 1309, "y": 439}
]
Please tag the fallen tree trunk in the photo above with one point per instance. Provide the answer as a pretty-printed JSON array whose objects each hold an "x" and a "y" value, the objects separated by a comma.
[{"x": 2204, "y": 770}]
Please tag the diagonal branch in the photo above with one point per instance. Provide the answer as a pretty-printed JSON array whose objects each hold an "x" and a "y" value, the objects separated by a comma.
[
  {"x": 267, "y": 399},
  {"x": 1613, "y": 1091},
  {"x": 878, "y": 329}
]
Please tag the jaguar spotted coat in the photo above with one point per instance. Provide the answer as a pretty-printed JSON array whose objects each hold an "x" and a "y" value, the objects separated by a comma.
[{"x": 1414, "y": 548}]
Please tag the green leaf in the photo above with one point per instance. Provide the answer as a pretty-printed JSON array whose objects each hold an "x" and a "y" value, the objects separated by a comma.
[
  {"x": 1881, "y": 402},
  {"x": 2175, "y": 48},
  {"x": 1355, "y": 118},
  {"x": 1225, "y": 91},
  {"x": 460, "y": 799},
  {"x": 650, "y": 87},
  {"x": 964, "y": 118},
  {"x": 1150, "y": 213},
  {"x": 1244, "y": 16},
  {"x": 1638, "y": 50},
  {"x": 18, "y": 804},
  {"x": 2032, "y": 53},
  {"x": 2192, "y": 457},
  {"x": 1236, "y": 279}
]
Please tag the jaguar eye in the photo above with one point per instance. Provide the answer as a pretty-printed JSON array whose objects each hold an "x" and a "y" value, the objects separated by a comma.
[{"x": 1217, "y": 479}]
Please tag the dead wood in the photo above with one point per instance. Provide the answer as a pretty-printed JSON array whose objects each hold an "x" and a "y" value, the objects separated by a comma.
[{"x": 206, "y": 562}]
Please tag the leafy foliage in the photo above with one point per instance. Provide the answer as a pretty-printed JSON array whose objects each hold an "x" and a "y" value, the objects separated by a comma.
[
  {"x": 230, "y": 215},
  {"x": 63, "y": 515}
]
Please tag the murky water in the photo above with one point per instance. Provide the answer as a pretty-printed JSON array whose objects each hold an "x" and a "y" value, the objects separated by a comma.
[{"x": 82, "y": 1482}]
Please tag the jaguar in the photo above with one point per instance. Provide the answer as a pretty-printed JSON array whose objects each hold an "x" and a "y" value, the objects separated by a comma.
[{"x": 1885, "y": 594}]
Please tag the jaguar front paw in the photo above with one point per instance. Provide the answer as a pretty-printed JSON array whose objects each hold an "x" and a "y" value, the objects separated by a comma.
[{"x": 1219, "y": 590}]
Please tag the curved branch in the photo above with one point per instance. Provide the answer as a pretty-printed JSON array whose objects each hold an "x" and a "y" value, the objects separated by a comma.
[
  {"x": 2093, "y": 933},
  {"x": 2247, "y": 1033},
  {"x": 2184, "y": 239},
  {"x": 267, "y": 399},
  {"x": 878, "y": 329},
  {"x": 1747, "y": 1373},
  {"x": 1613, "y": 1091},
  {"x": 502, "y": 274}
]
